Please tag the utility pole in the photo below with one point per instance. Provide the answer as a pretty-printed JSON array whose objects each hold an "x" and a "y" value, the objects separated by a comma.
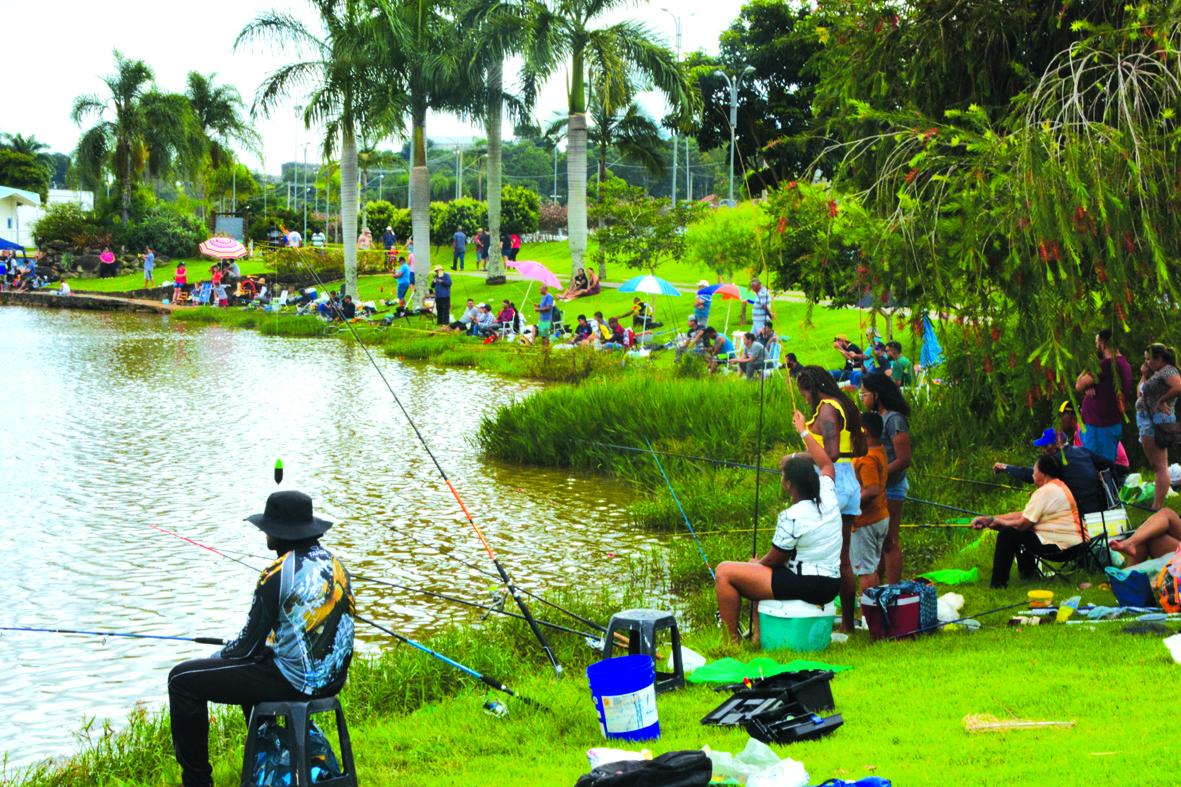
[
  {"x": 458, "y": 172},
  {"x": 555, "y": 194},
  {"x": 733, "y": 84},
  {"x": 305, "y": 192}
]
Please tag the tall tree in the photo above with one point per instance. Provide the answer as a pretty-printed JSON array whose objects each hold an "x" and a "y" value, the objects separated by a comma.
[
  {"x": 171, "y": 139},
  {"x": 422, "y": 71},
  {"x": 220, "y": 116},
  {"x": 334, "y": 81},
  {"x": 22, "y": 144},
  {"x": 121, "y": 136},
  {"x": 567, "y": 31}
]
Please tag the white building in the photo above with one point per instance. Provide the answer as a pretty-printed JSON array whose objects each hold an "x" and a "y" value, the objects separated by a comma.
[{"x": 13, "y": 219}]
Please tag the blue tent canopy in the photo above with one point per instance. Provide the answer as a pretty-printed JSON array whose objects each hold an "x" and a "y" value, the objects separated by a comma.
[{"x": 10, "y": 246}]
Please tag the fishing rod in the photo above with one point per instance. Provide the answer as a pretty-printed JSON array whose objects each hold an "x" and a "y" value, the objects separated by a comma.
[
  {"x": 445, "y": 597},
  {"x": 910, "y": 499},
  {"x": 486, "y": 679},
  {"x": 684, "y": 516},
  {"x": 199, "y": 640},
  {"x": 935, "y": 525},
  {"x": 991, "y": 484},
  {"x": 941, "y": 624},
  {"x": 487, "y": 573},
  {"x": 504, "y": 575},
  {"x": 754, "y": 539}
]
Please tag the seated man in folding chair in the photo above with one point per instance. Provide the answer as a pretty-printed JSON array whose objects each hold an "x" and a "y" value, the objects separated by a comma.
[{"x": 1049, "y": 528}]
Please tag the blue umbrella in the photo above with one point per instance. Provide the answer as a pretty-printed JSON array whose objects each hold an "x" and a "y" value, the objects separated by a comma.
[
  {"x": 652, "y": 285},
  {"x": 932, "y": 353}
]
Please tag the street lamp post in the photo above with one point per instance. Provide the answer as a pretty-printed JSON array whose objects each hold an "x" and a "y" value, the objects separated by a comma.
[
  {"x": 733, "y": 83},
  {"x": 677, "y": 22},
  {"x": 305, "y": 186}
]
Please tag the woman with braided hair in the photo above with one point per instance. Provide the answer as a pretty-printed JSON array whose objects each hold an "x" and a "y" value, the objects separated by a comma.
[{"x": 836, "y": 422}]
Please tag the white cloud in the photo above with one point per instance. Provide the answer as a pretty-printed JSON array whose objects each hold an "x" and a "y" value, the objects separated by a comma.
[{"x": 75, "y": 40}]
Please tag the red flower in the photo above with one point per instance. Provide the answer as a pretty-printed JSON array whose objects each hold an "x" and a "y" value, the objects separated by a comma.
[
  {"x": 782, "y": 224},
  {"x": 910, "y": 176},
  {"x": 1129, "y": 243},
  {"x": 987, "y": 364},
  {"x": 995, "y": 335},
  {"x": 832, "y": 208},
  {"x": 793, "y": 184}
]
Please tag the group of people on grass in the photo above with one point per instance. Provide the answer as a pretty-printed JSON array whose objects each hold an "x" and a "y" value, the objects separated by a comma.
[
  {"x": 849, "y": 486},
  {"x": 510, "y": 247},
  {"x": 20, "y": 275}
]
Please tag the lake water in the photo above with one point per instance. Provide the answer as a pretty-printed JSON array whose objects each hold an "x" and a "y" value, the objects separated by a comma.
[{"x": 113, "y": 423}]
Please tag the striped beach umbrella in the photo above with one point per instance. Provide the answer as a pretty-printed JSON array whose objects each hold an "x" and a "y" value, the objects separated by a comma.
[{"x": 223, "y": 248}]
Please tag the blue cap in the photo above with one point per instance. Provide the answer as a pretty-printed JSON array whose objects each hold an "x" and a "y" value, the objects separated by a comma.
[{"x": 1049, "y": 437}]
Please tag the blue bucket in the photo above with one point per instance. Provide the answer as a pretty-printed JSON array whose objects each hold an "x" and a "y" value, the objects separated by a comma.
[{"x": 624, "y": 691}]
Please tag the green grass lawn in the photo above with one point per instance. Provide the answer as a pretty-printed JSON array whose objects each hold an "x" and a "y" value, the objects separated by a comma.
[{"x": 198, "y": 270}]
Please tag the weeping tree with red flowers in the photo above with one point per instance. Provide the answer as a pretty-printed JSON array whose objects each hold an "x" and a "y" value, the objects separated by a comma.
[{"x": 1031, "y": 218}]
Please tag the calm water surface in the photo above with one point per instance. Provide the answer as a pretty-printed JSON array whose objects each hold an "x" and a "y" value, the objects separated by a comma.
[{"x": 117, "y": 422}]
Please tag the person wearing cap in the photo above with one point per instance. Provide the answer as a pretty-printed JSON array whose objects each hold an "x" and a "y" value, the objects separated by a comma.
[
  {"x": 642, "y": 314},
  {"x": 688, "y": 342},
  {"x": 296, "y": 645},
  {"x": 1080, "y": 470},
  {"x": 1049, "y": 527},
  {"x": 485, "y": 323},
  {"x": 854, "y": 360},
  {"x": 442, "y": 287},
  {"x": 1071, "y": 434},
  {"x": 389, "y": 239},
  {"x": 760, "y": 311},
  {"x": 702, "y": 304}
]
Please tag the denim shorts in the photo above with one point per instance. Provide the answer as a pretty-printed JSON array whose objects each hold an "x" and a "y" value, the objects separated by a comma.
[
  {"x": 898, "y": 491},
  {"x": 848, "y": 488},
  {"x": 1145, "y": 423}
]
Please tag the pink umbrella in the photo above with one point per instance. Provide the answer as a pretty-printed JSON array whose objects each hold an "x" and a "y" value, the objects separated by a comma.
[
  {"x": 223, "y": 248},
  {"x": 535, "y": 271},
  {"x": 107, "y": 257}
]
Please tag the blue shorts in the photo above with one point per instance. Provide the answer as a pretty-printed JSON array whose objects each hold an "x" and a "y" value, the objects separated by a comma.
[
  {"x": 848, "y": 488},
  {"x": 402, "y": 289},
  {"x": 1144, "y": 423},
  {"x": 898, "y": 491}
]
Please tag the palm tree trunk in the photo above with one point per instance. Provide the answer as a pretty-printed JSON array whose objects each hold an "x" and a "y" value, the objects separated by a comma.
[
  {"x": 576, "y": 189},
  {"x": 495, "y": 105},
  {"x": 348, "y": 203},
  {"x": 420, "y": 209},
  {"x": 125, "y": 200},
  {"x": 599, "y": 192}
]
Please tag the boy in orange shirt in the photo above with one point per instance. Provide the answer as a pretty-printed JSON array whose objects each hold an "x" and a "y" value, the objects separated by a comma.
[{"x": 869, "y": 529}]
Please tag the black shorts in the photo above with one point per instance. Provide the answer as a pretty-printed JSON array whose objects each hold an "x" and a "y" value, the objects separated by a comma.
[{"x": 786, "y": 584}]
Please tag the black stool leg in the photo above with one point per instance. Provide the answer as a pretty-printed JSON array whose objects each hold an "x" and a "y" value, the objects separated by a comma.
[
  {"x": 297, "y": 745},
  {"x": 251, "y": 752},
  {"x": 346, "y": 746}
]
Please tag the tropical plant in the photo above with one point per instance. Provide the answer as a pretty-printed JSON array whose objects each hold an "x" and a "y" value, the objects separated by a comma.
[
  {"x": 29, "y": 145},
  {"x": 171, "y": 137},
  {"x": 519, "y": 210},
  {"x": 422, "y": 69},
  {"x": 66, "y": 223},
  {"x": 728, "y": 240},
  {"x": 120, "y": 138},
  {"x": 336, "y": 81},
  {"x": 219, "y": 114},
  {"x": 379, "y": 214},
  {"x": 621, "y": 54},
  {"x": 171, "y": 232},
  {"x": 636, "y": 229}
]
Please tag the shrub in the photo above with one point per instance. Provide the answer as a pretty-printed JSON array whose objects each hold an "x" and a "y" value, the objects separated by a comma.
[
  {"x": 327, "y": 264},
  {"x": 171, "y": 232},
  {"x": 67, "y": 223},
  {"x": 23, "y": 171},
  {"x": 466, "y": 214},
  {"x": 551, "y": 219},
  {"x": 401, "y": 224},
  {"x": 729, "y": 240},
  {"x": 379, "y": 214},
  {"x": 519, "y": 210},
  {"x": 261, "y": 224}
]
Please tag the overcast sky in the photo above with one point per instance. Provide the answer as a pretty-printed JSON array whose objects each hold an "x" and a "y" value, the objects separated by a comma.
[{"x": 70, "y": 43}]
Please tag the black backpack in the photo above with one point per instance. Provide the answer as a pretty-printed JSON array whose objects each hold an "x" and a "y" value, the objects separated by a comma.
[{"x": 673, "y": 769}]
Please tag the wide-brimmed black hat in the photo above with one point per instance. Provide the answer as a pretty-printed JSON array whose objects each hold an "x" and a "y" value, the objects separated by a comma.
[{"x": 288, "y": 516}]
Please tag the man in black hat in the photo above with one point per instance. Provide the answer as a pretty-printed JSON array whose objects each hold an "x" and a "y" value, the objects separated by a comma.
[{"x": 297, "y": 642}]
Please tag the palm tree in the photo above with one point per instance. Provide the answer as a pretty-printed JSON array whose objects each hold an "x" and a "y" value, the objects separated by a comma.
[
  {"x": 171, "y": 138},
  {"x": 423, "y": 65},
  {"x": 30, "y": 145},
  {"x": 499, "y": 28},
  {"x": 219, "y": 115},
  {"x": 628, "y": 131},
  {"x": 335, "y": 81},
  {"x": 564, "y": 31},
  {"x": 120, "y": 137}
]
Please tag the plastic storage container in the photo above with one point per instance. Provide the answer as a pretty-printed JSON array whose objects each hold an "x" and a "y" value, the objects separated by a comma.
[
  {"x": 624, "y": 692},
  {"x": 795, "y": 625},
  {"x": 904, "y": 617}
]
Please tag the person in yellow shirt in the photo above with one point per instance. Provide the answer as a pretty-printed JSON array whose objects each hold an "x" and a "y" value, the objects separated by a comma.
[{"x": 872, "y": 524}]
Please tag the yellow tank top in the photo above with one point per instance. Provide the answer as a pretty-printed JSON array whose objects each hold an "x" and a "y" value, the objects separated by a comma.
[{"x": 845, "y": 444}]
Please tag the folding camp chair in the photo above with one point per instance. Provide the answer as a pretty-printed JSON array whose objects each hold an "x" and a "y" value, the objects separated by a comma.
[
  {"x": 557, "y": 326},
  {"x": 204, "y": 291},
  {"x": 1095, "y": 554}
]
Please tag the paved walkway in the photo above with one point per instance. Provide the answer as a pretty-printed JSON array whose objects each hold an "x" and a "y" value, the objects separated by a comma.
[{"x": 51, "y": 300}]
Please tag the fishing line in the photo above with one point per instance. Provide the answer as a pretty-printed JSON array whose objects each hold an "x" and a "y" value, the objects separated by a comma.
[
  {"x": 504, "y": 576},
  {"x": 689, "y": 457},
  {"x": 490, "y": 681},
  {"x": 684, "y": 516},
  {"x": 199, "y": 640},
  {"x": 966, "y": 480},
  {"x": 754, "y": 542},
  {"x": 910, "y": 499},
  {"x": 487, "y": 573}
]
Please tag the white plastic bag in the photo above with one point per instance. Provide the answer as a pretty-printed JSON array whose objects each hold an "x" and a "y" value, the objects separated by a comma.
[
  {"x": 690, "y": 660},
  {"x": 785, "y": 773},
  {"x": 757, "y": 760},
  {"x": 949, "y": 606}
]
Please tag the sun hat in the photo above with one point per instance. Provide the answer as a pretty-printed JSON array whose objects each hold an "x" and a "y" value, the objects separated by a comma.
[
  {"x": 288, "y": 516},
  {"x": 702, "y": 283},
  {"x": 840, "y": 337},
  {"x": 1048, "y": 438},
  {"x": 437, "y": 269}
]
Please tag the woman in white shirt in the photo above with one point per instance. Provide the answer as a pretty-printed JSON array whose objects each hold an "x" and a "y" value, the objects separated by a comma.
[{"x": 804, "y": 561}]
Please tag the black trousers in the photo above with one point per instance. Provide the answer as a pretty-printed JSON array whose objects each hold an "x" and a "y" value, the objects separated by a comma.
[
  {"x": 192, "y": 685},
  {"x": 1027, "y": 548},
  {"x": 443, "y": 310}
]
